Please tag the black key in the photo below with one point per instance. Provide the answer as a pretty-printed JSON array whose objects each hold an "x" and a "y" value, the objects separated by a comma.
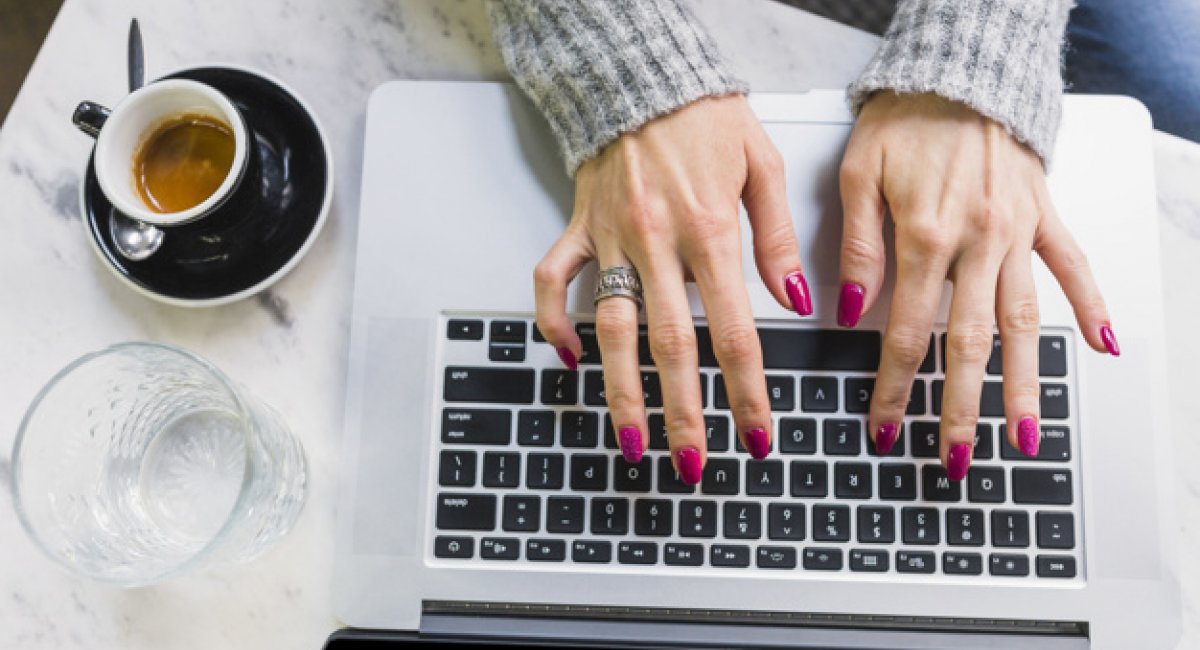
[
  {"x": 743, "y": 520},
  {"x": 651, "y": 390},
  {"x": 591, "y": 349},
  {"x": 717, "y": 430},
  {"x": 927, "y": 364},
  {"x": 785, "y": 521},
  {"x": 764, "y": 478},
  {"x": 535, "y": 428},
  {"x": 607, "y": 435},
  {"x": 591, "y": 551},
  {"x": 729, "y": 555},
  {"x": 645, "y": 358},
  {"x": 669, "y": 481},
  {"x": 589, "y": 472},
  {"x": 809, "y": 349},
  {"x": 775, "y": 557},
  {"x": 464, "y": 330},
  {"x": 843, "y": 437},
  {"x": 991, "y": 398},
  {"x": 924, "y": 439},
  {"x": 822, "y": 559},
  {"x": 683, "y": 554},
  {"x": 544, "y": 472},
  {"x": 985, "y": 484},
  {"x": 965, "y": 564},
  {"x": 536, "y": 334},
  {"x": 507, "y": 331},
  {"x": 1056, "y": 530},
  {"x": 916, "y": 398},
  {"x": 915, "y": 562},
  {"x": 500, "y": 548},
  {"x": 919, "y": 525},
  {"x": 831, "y": 523},
  {"x": 653, "y": 517},
  {"x": 610, "y": 516},
  {"x": 704, "y": 348},
  {"x": 797, "y": 435},
  {"x": 897, "y": 482},
  {"x": 564, "y": 514},
  {"x": 658, "y": 431},
  {"x": 868, "y": 560},
  {"x": 580, "y": 429},
  {"x": 522, "y": 513},
  {"x": 1041, "y": 486},
  {"x": 983, "y": 441},
  {"x": 819, "y": 394},
  {"x": 476, "y": 426},
  {"x": 852, "y": 480},
  {"x": 495, "y": 385},
  {"x": 632, "y": 478},
  {"x": 1008, "y": 564},
  {"x": 936, "y": 486},
  {"x": 876, "y": 524},
  {"x": 455, "y": 547},
  {"x": 458, "y": 511},
  {"x": 1052, "y": 356},
  {"x": 810, "y": 479},
  {"x": 720, "y": 476},
  {"x": 1010, "y": 528},
  {"x": 858, "y": 394},
  {"x": 546, "y": 550},
  {"x": 1055, "y": 566},
  {"x": 995, "y": 361},
  {"x": 637, "y": 553},
  {"x": 964, "y": 527},
  {"x": 501, "y": 470},
  {"x": 1054, "y": 402},
  {"x": 593, "y": 388},
  {"x": 781, "y": 391},
  {"x": 510, "y": 352},
  {"x": 1055, "y": 444},
  {"x": 697, "y": 519},
  {"x": 457, "y": 468},
  {"x": 560, "y": 387}
]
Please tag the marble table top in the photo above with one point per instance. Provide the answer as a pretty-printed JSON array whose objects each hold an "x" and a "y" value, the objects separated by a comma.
[{"x": 289, "y": 344}]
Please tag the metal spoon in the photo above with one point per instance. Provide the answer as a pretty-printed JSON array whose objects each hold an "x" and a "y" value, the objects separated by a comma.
[{"x": 134, "y": 240}]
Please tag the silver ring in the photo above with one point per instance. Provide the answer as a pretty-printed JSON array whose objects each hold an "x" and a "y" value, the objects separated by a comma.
[{"x": 620, "y": 281}]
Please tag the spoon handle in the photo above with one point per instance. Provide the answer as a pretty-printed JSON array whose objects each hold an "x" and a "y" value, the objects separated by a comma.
[{"x": 137, "y": 65}]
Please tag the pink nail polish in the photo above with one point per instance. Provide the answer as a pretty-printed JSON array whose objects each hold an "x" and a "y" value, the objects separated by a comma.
[
  {"x": 757, "y": 443},
  {"x": 1110, "y": 340},
  {"x": 631, "y": 444},
  {"x": 885, "y": 438},
  {"x": 687, "y": 462},
  {"x": 1028, "y": 436},
  {"x": 797, "y": 292},
  {"x": 958, "y": 462},
  {"x": 568, "y": 358},
  {"x": 850, "y": 304}
]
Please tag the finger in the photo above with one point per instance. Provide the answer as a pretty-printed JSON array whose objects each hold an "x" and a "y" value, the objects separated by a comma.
[
  {"x": 617, "y": 336},
  {"x": 1017, "y": 313},
  {"x": 551, "y": 277},
  {"x": 734, "y": 338},
  {"x": 863, "y": 257},
  {"x": 1062, "y": 255},
  {"x": 920, "y": 278},
  {"x": 775, "y": 252}
]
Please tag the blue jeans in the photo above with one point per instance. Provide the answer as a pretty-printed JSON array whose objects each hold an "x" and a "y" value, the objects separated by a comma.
[{"x": 1149, "y": 49}]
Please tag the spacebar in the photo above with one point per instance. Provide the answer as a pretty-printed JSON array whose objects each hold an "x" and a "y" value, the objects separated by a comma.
[{"x": 788, "y": 349}]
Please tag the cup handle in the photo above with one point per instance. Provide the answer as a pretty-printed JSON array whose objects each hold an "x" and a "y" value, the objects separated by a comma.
[{"x": 90, "y": 117}]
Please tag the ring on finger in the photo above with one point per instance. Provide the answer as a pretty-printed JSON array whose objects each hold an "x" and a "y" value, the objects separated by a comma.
[{"x": 618, "y": 281}]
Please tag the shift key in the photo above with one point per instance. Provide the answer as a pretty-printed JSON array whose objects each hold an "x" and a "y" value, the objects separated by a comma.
[{"x": 494, "y": 385}]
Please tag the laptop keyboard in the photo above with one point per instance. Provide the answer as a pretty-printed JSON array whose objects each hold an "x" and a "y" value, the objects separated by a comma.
[{"x": 527, "y": 468}]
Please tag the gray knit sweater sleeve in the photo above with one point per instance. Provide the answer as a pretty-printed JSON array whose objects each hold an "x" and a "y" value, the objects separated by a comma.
[
  {"x": 600, "y": 68},
  {"x": 1000, "y": 57}
]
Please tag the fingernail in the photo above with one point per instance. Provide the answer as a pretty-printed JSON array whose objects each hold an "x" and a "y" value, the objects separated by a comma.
[
  {"x": 797, "y": 292},
  {"x": 757, "y": 443},
  {"x": 958, "y": 462},
  {"x": 1028, "y": 436},
  {"x": 687, "y": 462},
  {"x": 850, "y": 304},
  {"x": 1110, "y": 340},
  {"x": 885, "y": 438},
  {"x": 568, "y": 358},
  {"x": 631, "y": 444}
]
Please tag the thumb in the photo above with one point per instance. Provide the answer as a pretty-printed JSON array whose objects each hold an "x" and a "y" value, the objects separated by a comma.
[
  {"x": 863, "y": 254},
  {"x": 775, "y": 252}
]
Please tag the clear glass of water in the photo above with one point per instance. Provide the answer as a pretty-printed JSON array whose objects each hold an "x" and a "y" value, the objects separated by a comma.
[{"x": 142, "y": 461}]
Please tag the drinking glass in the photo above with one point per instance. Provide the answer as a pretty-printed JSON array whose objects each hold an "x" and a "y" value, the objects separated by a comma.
[{"x": 141, "y": 461}]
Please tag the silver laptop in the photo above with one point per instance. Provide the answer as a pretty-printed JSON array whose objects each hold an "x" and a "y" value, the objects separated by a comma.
[{"x": 483, "y": 496}]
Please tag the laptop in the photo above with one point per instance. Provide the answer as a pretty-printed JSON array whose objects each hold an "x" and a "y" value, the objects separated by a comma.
[{"x": 483, "y": 496}]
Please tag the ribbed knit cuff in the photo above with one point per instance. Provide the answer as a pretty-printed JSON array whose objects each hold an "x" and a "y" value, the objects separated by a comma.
[
  {"x": 600, "y": 68},
  {"x": 1000, "y": 57}
]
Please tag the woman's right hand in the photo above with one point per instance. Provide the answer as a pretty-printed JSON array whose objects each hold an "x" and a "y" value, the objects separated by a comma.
[{"x": 664, "y": 200}]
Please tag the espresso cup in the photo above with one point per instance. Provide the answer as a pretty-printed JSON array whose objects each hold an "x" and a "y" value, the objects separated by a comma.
[{"x": 122, "y": 131}]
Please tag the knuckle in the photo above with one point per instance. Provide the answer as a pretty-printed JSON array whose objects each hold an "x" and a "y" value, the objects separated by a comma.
[
  {"x": 545, "y": 274},
  {"x": 779, "y": 242},
  {"x": 858, "y": 252},
  {"x": 642, "y": 219},
  {"x": 750, "y": 410},
  {"x": 613, "y": 324},
  {"x": 1022, "y": 391},
  {"x": 960, "y": 422},
  {"x": 970, "y": 343},
  {"x": 928, "y": 237},
  {"x": 622, "y": 400},
  {"x": 771, "y": 163},
  {"x": 736, "y": 342},
  {"x": 992, "y": 220},
  {"x": 907, "y": 348},
  {"x": 683, "y": 425},
  {"x": 889, "y": 402},
  {"x": 672, "y": 342},
  {"x": 1022, "y": 318},
  {"x": 851, "y": 171}
]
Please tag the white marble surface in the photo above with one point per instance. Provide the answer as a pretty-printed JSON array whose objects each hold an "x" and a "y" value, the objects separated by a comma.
[{"x": 288, "y": 346}]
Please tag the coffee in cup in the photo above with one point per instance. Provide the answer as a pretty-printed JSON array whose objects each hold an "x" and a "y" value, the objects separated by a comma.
[{"x": 183, "y": 161}]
